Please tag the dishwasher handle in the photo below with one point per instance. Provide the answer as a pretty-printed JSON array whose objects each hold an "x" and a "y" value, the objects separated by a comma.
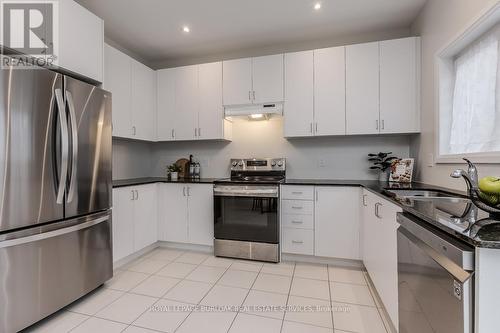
[{"x": 447, "y": 264}]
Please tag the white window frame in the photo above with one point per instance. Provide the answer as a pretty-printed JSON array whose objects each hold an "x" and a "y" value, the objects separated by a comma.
[{"x": 444, "y": 84}]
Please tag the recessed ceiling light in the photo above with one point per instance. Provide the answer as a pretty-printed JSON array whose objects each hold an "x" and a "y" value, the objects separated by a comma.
[
  {"x": 317, "y": 6},
  {"x": 186, "y": 28}
]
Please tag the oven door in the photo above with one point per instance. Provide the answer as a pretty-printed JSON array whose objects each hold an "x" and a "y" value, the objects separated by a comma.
[{"x": 246, "y": 213}]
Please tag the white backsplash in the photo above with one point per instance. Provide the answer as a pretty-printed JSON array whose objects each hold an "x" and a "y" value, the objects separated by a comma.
[{"x": 320, "y": 157}]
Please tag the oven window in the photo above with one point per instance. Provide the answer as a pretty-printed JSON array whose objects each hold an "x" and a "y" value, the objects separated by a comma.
[{"x": 246, "y": 219}]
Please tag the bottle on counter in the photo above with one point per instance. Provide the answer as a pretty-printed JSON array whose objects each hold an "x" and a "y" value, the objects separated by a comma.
[
  {"x": 191, "y": 167},
  {"x": 197, "y": 170}
]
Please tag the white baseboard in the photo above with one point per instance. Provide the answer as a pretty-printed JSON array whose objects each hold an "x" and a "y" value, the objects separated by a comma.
[
  {"x": 187, "y": 247},
  {"x": 133, "y": 256},
  {"x": 322, "y": 260}
]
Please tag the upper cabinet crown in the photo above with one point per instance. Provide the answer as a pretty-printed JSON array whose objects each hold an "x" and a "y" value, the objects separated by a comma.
[
  {"x": 253, "y": 80},
  {"x": 133, "y": 88}
]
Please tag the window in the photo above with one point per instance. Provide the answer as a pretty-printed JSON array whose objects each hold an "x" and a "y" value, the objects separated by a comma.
[
  {"x": 475, "y": 109},
  {"x": 469, "y": 93}
]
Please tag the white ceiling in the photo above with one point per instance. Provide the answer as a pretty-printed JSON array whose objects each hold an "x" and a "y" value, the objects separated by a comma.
[{"x": 152, "y": 29}]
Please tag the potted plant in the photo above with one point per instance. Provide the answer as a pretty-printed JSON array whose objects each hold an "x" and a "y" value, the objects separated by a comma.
[
  {"x": 173, "y": 171},
  {"x": 382, "y": 162}
]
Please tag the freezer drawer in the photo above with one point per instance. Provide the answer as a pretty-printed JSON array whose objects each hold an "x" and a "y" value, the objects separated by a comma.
[{"x": 45, "y": 270}]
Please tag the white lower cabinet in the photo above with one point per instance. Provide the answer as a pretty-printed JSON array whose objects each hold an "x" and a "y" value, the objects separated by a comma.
[
  {"x": 134, "y": 219},
  {"x": 185, "y": 213},
  {"x": 321, "y": 221},
  {"x": 336, "y": 217},
  {"x": 298, "y": 241},
  {"x": 379, "y": 249}
]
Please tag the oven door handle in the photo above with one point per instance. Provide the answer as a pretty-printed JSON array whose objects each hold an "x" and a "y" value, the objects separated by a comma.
[{"x": 245, "y": 194}]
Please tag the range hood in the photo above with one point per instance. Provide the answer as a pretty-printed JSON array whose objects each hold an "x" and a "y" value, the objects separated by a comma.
[{"x": 254, "y": 111}]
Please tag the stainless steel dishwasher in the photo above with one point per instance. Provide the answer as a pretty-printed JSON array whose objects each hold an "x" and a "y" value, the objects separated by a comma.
[{"x": 435, "y": 279}]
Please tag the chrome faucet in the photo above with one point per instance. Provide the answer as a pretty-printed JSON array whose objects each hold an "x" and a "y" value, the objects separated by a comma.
[{"x": 470, "y": 176}]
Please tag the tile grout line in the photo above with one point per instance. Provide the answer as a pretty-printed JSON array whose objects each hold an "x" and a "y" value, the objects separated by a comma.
[
  {"x": 288, "y": 296},
  {"x": 237, "y": 313},
  {"x": 330, "y": 283},
  {"x": 208, "y": 292},
  {"x": 157, "y": 299}
]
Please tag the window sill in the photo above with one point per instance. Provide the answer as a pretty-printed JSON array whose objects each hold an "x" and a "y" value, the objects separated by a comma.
[{"x": 476, "y": 158}]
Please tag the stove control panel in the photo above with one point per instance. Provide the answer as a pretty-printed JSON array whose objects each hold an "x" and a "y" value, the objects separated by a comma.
[{"x": 258, "y": 164}]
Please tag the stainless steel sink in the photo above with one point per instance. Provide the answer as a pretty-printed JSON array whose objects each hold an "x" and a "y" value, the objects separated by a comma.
[{"x": 428, "y": 194}]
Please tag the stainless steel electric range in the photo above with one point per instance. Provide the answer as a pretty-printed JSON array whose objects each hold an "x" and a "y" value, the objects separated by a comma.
[{"x": 246, "y": 210}]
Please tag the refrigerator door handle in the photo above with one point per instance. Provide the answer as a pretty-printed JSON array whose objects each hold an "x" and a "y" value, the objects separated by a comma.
[
  {"x": 74, "y": 148},
  {"x": 61, "y": 109}
]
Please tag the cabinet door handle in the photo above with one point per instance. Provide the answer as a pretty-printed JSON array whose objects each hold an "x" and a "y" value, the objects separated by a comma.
[
  {"x": 376, "y": 124},
  {"x": 188, "y": 191},
  {"x": 296, "y": 207},
  {"x": 364, "y": 200},
  {"x": 297, "y": 193},
  {"x": 173, "y": 133},
  {"x": 316, "y": 128},
  {"x": 136, "y": 194},
  {"x": 199, "y": 132},
  {"x": 184, "y": 191},
  {"x": 134, "y": 130},
  {"x": 297, "y": 222},
  {"x": 383, "y": 124},
  {"x": 297, "y": 242},
  {"x": 133, "y": 195},
  {"x": 249, "y": 95},
  {"x": 253, "y": 92},
  {"x": 377, "y": 210},
  {"x": 195, "y": 132},
  {"x": 311, "y": 127}
]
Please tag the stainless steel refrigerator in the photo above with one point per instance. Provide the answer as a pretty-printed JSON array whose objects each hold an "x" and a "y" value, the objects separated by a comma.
[{"x": 55, "y": 193}]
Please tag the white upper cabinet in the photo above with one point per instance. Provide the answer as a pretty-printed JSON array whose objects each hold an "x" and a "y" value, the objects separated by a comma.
[
  {"x": 190, "y": 103},
  {"x": 399, "y": 85},
  {"x": 211, "y": 111},
  {"x": 237, "y": 81},
  {"x": 186, "y": 103},
  {"x": 337, "y": 218},
  {"x": 267, "y": 79},
  {"x": 362, "y": 88},
  {"x": 117, "y": 79},
  {"x": 166, "y": 104},
  {"x": 133, "y": 88},
  {"x": 81, "y": 40},
  {"x": 253, "y": 80},
  {"x": 143, "y": 102},
  {"x": 299, "y": 94},
  {"x": 329, "y": 91}
]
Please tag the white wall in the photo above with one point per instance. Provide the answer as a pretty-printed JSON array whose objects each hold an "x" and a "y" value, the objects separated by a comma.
[
  {"x": 344, "y": 157},
  {"x": 438, "y": 23},
  {"x": 131, "y": 159}
]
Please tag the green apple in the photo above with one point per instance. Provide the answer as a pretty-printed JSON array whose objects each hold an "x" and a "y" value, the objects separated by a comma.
[
  {"x": 490, "y": 185},
  {"x": 492, "y": 199}
]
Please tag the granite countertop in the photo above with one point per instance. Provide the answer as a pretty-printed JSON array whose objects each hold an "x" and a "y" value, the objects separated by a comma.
[
  {"x": 458, "y": 217},
  {"x": 151, "y": 180}
]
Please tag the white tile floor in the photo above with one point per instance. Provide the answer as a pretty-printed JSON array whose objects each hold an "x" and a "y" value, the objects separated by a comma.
[{"x": 176, "y": 291}]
